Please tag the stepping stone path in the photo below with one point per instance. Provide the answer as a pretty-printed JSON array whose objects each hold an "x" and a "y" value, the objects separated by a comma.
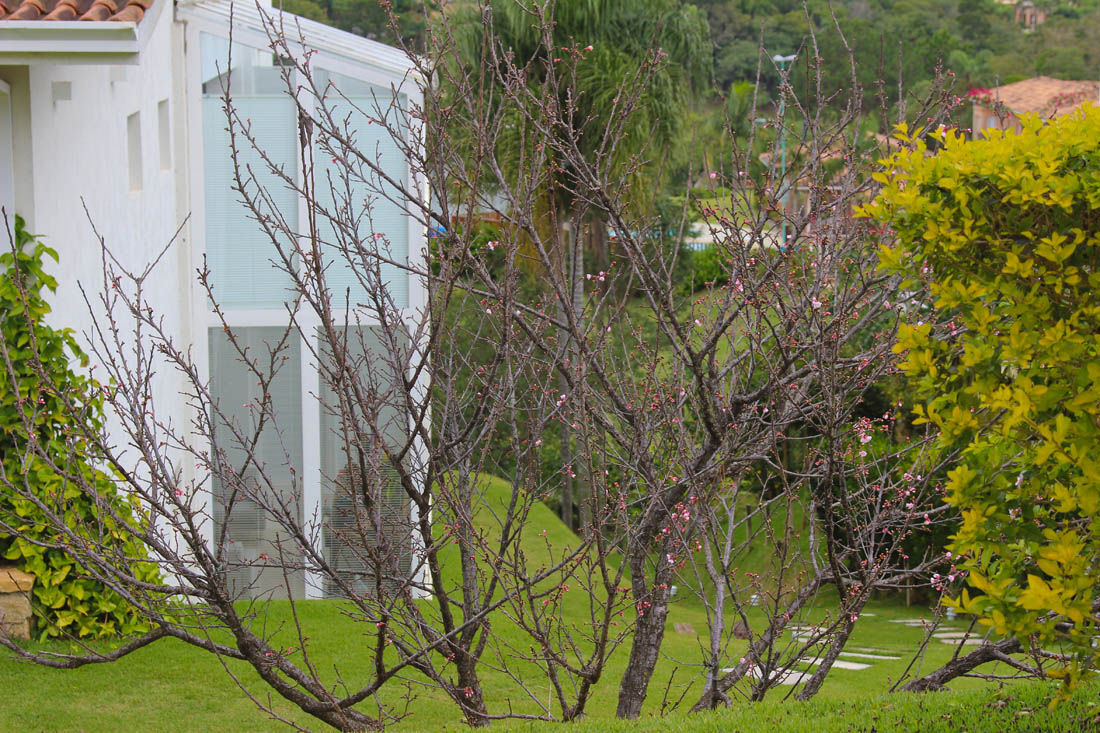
[
  {"x": 955, "y": 642},
  {"x": 868, "y": 656},
  {"x": 913, "y": 622},
  {"x": 803, "y": 632},
  {"x": 839, "y": 663},
  {"x": 944, "y": 634},
  {"x": 790, "y": 677},
  {"x": 864, "y": 655},
  {"x": 800, "y": 632}
]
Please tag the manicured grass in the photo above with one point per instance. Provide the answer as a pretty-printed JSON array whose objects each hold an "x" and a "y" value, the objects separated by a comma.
[
  {"x": 170, "y": 686},
  {"x": 1020, "y": 707}
]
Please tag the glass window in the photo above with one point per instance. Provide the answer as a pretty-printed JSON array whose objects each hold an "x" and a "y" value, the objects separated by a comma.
[
  {"x": 247, "y": 269},
  {"x": 364, "y": 509},
  {"x": 258, "y": 546},
  {"x": 375, "y": 226}
]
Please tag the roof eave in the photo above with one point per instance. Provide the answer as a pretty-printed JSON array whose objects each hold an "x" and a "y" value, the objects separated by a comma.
[
  {"x": 77, "y": 41},
  {"x": 69, "y": 42},
  {"x": 250, "y": 26}
]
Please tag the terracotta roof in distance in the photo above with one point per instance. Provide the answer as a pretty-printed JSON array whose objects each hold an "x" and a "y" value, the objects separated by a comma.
[
  {"x": 131, "y": 11},
  {"x": 1043, "y": 95}
]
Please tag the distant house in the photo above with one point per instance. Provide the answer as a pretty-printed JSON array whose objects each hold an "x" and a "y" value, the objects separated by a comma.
[
  {"x": 1027, "y": 13},
  {"x": 116, "y": 106},
  {"x": 1000, "y": 108},
  {"x": 1029, "y": 16}
]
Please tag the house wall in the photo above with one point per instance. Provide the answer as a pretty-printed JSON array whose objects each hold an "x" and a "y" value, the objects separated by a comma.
[
  {"x": 986, "y": 118},
  {"x": 92, "y": 138}
]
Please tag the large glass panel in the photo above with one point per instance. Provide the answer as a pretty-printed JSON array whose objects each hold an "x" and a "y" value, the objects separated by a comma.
[
  {"x": 365, "y": 510},
  {"x": 374, "y": 224},
  {"x": 258, "y": 546},
  {"x": 244, "y": 262}
]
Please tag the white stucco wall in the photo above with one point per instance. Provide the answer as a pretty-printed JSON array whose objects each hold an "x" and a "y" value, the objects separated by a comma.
[{"x": 81, "y": 157}]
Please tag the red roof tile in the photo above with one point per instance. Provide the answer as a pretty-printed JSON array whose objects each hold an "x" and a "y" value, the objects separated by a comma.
[
  {"x": 98, "y": 10},
  {"x": 1044, "y": 96}
]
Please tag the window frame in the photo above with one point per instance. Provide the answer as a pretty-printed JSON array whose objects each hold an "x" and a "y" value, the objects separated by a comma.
[
  {"x": 325, "y": 45},
  {"x": 7, "y": 155}
]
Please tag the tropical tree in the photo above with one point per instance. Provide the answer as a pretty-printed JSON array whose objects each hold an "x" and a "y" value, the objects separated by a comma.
[{"x": 584, "y": 58}]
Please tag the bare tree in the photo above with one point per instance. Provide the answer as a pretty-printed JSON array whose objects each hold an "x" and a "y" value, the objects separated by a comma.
[{"x": 700, "y": 424}]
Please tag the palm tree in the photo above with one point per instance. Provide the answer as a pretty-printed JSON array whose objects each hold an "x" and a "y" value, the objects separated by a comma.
[{"x": 609, "y": 41}]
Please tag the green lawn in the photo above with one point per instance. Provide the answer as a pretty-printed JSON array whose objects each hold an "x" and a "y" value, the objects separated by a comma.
[
  {"x": 1019, "y": 708},
  {"x": 170, "y": 686}
]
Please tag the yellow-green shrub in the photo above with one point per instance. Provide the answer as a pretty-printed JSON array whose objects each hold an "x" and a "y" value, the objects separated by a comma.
[{"x": 1005, "y": 234}]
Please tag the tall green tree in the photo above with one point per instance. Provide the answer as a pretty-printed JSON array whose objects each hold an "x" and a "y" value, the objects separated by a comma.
[{"x": 596, "y": 52}]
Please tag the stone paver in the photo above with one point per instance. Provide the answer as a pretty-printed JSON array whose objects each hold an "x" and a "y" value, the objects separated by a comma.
[
  {"x": 839, "y": 663},
  {"x": 863, "y": 655},
  {"x": 790, "y": 677}
]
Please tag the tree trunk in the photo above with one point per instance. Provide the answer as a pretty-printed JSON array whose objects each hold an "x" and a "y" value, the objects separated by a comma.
[
  {"x": 988, "y": 652},
  {"x": 582, "y": 493},
  {"x": 567, "y": 465},
  {"x": 818, "y": 677},
  {"x": 468, "y": 692},
  {"x": 759, "y": 647},
  {"x": 649, "y": 632},
  {"x": 597, "y": 242},
  {"x": 565, "y": 343}
]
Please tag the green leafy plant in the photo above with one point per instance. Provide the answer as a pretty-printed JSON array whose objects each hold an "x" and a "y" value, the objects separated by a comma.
[
  {"x": 1005, "y": 234},
  {"x": 42, "y": 448}
]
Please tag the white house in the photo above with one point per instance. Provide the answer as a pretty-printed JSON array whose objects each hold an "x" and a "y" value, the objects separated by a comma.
[{"x": 115, "y": 106}]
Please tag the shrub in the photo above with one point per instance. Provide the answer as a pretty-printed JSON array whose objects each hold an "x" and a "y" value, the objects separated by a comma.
[
  {"x": 68, "y": 600},
  {"x": 703, "y": 266},
  {"x": 1005, "y": 233}
]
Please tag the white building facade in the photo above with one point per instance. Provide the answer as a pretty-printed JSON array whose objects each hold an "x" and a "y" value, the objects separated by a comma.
[{"x": 122, "y": 117}]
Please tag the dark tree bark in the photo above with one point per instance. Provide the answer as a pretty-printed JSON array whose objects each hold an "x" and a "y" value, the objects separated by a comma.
[
  {"x": 649, "y": 632},
  {"x": 987, "y": 652}
]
